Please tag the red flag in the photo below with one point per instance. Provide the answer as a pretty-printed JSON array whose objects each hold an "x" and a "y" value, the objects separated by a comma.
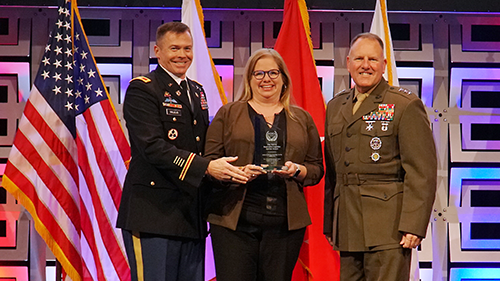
[
  {"x": 317, "y": 260},
  {"x": 67, "y": 163}
]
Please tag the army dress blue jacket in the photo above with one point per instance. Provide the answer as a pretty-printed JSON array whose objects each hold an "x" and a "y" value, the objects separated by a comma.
[{"x": 161, "y": 193}]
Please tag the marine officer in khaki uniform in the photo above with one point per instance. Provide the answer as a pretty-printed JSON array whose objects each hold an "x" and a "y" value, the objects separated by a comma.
[{"x": 381, "y": 170}]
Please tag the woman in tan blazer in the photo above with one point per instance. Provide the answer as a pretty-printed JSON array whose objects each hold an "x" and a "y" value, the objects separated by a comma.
[{"x": 257, "y": 228}]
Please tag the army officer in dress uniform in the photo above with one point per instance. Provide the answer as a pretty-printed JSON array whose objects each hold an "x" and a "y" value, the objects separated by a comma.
[
  {"x": 161, "y": 209},
  {"x": 381, "y": 170}
]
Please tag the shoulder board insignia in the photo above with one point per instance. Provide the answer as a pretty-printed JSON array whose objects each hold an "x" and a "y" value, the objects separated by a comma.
[
  {"x": 197, "y": 82},
  {"x": 341, "y": 92},
  {"x": 403, "y": 90},
  {"x": 142, "y": 78}
]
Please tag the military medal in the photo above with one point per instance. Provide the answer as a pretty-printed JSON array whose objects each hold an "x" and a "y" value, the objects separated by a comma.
[
  {"x": 375, "y": 156},
  {"x": 203, "y": 102},
  {"x": 385, "y": 125},
  {"x": 376, "y": 143},
  {"x": 167, "y": 94},
  {"x": 172, "y": 105},
  {"x": 369, "y": 125},
  {"x": 385, "y": 112},
  {"x": 172, "y": 134}
]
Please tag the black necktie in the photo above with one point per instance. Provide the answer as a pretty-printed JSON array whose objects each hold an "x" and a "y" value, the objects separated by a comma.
[{"x": 184, "y": 91}]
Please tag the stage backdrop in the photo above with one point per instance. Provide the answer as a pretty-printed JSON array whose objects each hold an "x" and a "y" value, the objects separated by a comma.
[{"x": 451, "y": 59}]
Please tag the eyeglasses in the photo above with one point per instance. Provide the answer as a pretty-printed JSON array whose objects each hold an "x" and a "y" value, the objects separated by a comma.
[{"x": 260, "y": 74}]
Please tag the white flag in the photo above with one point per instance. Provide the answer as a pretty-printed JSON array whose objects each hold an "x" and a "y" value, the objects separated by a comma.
[
  {"x": 380, "y": 26},
  {"x": 202, "y": 69}
]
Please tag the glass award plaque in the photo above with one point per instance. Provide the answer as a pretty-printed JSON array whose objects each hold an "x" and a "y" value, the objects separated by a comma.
[{"x": 269, "y": 147}]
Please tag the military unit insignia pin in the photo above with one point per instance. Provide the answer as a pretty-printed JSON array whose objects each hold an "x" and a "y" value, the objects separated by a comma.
[
  {"x": 385, "y": 125},
  {"x": 375, "y": 156},
  {"x": 172, "y": 134},
  {"x": 376, "y": 143},
  {"x": 369, "y": 125}
]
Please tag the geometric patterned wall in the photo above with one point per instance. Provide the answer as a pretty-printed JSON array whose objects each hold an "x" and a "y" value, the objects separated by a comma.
[{"x": 451, "y": 59}]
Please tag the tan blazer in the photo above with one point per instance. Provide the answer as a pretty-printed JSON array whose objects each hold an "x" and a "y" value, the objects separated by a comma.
[
  {"x": 231, "y": 133},
  {"x": 380, "y": 178}
]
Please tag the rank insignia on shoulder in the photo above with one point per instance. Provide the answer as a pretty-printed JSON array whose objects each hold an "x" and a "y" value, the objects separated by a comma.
[
  {"x": 404, "y": 91},
  {"x": 142, "y": 78}
]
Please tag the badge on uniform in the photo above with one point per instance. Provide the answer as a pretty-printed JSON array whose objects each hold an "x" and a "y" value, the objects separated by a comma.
[
  {"x": 376, "y": 143},
  {"x": 369, "y": 125},
  {"x": 171, "y": 102},
  {"x": 174, "y": 105},
  {"x": 203, "y": 101},
  {"x": 385, "y": 125},
  {"x": 385, "y": 112},
  {"x": 173, "y": 112},
  {"x": 166, "y": 94},
  {"x": 173, "y": 134},
  {"x": 169, "y": 99}
]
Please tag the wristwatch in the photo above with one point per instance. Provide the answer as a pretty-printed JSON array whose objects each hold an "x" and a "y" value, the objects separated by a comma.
[{"x": 297, "y": 172}]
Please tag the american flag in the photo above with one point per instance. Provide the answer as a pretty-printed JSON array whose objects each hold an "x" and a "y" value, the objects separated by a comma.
[{"x": 67, "y": 163}]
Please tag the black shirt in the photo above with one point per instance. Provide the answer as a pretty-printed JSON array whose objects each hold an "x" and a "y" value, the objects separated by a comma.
[{"x": 267, "y": 193}]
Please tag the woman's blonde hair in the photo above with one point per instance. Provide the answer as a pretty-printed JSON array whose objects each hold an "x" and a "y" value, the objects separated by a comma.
[{"x": 286, "y": 90}]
